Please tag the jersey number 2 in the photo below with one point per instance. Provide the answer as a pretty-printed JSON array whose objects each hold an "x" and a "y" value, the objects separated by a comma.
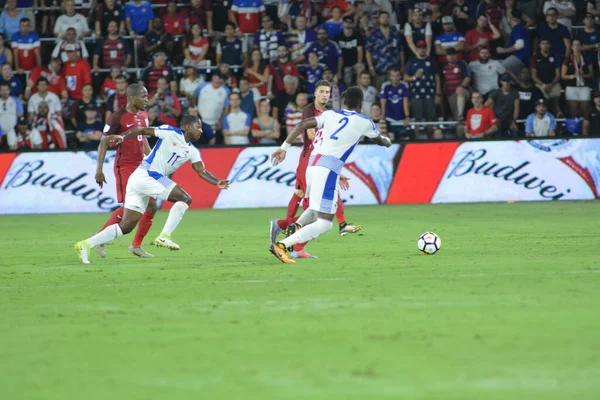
[
  {"x": 344, "y": 121},
  {"x": 173, "y": 159}
]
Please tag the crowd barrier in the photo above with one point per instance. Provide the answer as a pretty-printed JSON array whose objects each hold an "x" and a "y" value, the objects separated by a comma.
[{"x": 444, "y": 172}]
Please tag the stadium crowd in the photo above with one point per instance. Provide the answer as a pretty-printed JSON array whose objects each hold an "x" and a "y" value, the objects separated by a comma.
[{"x": 464, "y": 68}]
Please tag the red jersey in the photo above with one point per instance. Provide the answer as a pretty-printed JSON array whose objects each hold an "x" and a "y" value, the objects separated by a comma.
[
  {"x": 76, "y": 75},
  {"x": 131, "y": 151},
  {"x": 479, "y": 121},
  {"x": 248, "y": 14},
  {"x": 174, "y": 25},
  {"x": 308, "y": 112},
  {"x": 279, "y": 71},
  {"x": 57, "y": 82}
]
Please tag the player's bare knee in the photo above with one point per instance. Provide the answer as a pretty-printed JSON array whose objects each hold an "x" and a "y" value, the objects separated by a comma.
[
  {"x": 126, "y": 227},
  {"x": 187, "y": 199}
]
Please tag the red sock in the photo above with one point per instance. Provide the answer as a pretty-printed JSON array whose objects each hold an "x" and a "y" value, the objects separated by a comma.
[
  {"x": 284, "y": 223},
  {"x": 293, "y": 206},
  {"x": 300, "y": 246},
  {"x": 339, "y": 214},
  {"x": 143, "y": 227},
  {"x": 115, "y": 218}
]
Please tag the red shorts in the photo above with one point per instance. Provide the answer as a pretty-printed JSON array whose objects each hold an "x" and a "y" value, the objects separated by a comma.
[
  {"x": 301, "y": 174},
  {"x": 122, "y": 174}
]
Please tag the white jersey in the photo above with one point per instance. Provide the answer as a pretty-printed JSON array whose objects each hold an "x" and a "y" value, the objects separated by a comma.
[
  {"x": 170, "y": 152},
  {"x": 338, "y": 133}
]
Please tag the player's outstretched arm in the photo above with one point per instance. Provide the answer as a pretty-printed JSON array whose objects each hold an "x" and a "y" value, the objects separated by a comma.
[
  {"x": 279, "y": 155},
  {"x": 383, "y": 141},
  {"x": 208, "y": 177},
  {"x": 138, "y": 132}
]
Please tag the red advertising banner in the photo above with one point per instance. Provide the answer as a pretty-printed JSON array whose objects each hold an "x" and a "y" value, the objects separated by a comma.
[{"x": 6, "y": 161}]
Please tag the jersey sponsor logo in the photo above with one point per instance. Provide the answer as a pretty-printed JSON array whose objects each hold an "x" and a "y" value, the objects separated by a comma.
[
  {"x": 476, "y": 121},
  {"x": 106, "y": 128},
  {"x": 129, "y": 125}
]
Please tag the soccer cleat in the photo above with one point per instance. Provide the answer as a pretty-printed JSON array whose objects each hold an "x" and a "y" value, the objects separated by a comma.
[
  {"x": 346, "y": 229},
  {"x": 275, "y": 230},
  {"x": 165, "y": 241},
  {"x": 301, "y": 254},
  {"x": 100, "y": 250},
  {"x": 83, "y": 251},
  {"x": 138, "y": 251},
  {"x": 278, "y": 250},
  {"x": 291, "y": 229}
]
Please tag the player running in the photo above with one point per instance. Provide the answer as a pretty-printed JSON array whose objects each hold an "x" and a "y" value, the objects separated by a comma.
[
  {"x": 338, "y": 134},
  {"x": 150, "y": 179},
  {"x": 322, "y": 95},
  {"x": 130, "y": 154}
]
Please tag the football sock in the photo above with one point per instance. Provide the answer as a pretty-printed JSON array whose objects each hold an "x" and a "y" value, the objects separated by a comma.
[
  {"x": 308, "y": 217},
  {"x": 293, "y": 206},
  {"x": 142, "y": 229},
  {"x": 299, "y": 247},
  {"x": 308, "y": 232},
  {"x": 106, "y": 235},
  {"x": 174, "y": 217},
  {"x": 115, "y": 218},
  {"x": 339, "y": 214}
]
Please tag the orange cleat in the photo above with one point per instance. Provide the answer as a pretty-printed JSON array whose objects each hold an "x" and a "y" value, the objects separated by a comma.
[{"x": 279, "y": 251}]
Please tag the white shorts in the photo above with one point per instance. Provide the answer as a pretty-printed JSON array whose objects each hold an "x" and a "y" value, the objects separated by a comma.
[
  {"x": 143, "y": 185},
  {"x": 322, "y": 189},
  {"x": 578, "y": 93}
]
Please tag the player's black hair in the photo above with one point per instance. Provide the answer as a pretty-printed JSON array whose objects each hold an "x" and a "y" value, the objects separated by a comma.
[
  {"x": 188, "y": 120},
  {"x": 134, "y": 90},
  {"x": 354, "y": 98}
]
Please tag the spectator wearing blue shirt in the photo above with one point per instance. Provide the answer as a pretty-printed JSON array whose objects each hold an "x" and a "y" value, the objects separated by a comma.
[
  {"x": 10, "y": 19},
  {"x": 314, "y": 72},
  {"x": 138, "y": 17},
  {"x": 89, "y": 131},
  {"x": 237, "y": 123},
  {"x": 334, "y": 26},
  {"x": 328, "y": 51},
  {"x": 541, "y": 123},
  {"x": 590, "y": 37},
  {"x": 384, "y": 50},
  {"x": 268, "y": 39},
  {"x": 14, "y": 83},
  {"x": 395, "y": 103},
  {"x": 559, "y": 35},
  {"x": 517, "y": 46}
]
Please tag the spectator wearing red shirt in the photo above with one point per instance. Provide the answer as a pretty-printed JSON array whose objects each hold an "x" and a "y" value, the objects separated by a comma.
[
  {"x": 166, "y": 101},
  {"x": 173, "y": 22},
  {"x": 327, "y": 8},
  {"x": 282, "y": 67},
  {"x": 457, "y": 80},
  {"x": 158, "y": 69},
  {"x": 109, "y": 86},
  {"x": 55, "y": 78},
  {"x": 26, "y": 47},
  {"x": 229, "y": 79},
  {"x": 481, "y": 120},
  {"x": 480, "y": 37},
  {"x": 199, "y": 12},
  {"x": 118, "y": 99},
  {"x": 195, "y": 48},
  {"x": 492, "y": 10},
  {"x": 77, "y": 73},
  {"x": 246, "y": 14}
]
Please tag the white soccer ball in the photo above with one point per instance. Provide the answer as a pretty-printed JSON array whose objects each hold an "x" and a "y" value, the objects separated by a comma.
[{"x": 429, "y": 243}]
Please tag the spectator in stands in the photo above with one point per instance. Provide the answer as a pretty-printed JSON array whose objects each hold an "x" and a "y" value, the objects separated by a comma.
[
  {"x": 283, "y": 99},
  {"x": 112, "y": 52},
  {"x": 221, "y": 15},
  {"x": 365, "y": 25},
  {"x": 157, "y": 69},
  {"x": 559, "y": 35},
  {"x": 300, "y": 39},
  {"x": 334, "y": 26},
  {"x": 89, "y": 130},
  {"x": 378, "y": 119},
  {"x": 15, "y": 84},
  {"x": 199, "y": 12},
  {"x": 352, "y": 45},
  {"x": 313, "y": 73},
  {"x": 86, "y": 101},
  {"x": 370, "y": 94},
  {"x": 481, "y": 122},
  {"x": 540, "y": 123},
  {"x": 118, "y": 99},
  {"x": 195, "y": 48},
  {"x": 166, "y": 102},
  {"x": 529, "y": 95},
  {"x": 395, "y": 101},
  {"x": 106, "y": 12},
  {"x": 54, "y": 76},
  {"x": 138, "y": 17},
  {"x": 480, "y": 37},
  {"x": 249, "y": 97},
  {"x": 457, "y": 83},
  {"x": 246, "y": 14},
  {"x": 492, "y": 10},
  {"x": 576, "y": 74},
  {"x": 459, "y": 10},
  {"x": 265, "y": 128},
  {"x": 153, "y": 119},
  {"x": 294, "y": 114},
  {"x": 71, "y": 19},
  {"x": 288, "y": 12},
  {"x": 49, "y": 15},
  {"x": 268, "y": 39},
  {"x": 48, "y": 128},
  {"x": 413, "y": 5},
  {"x": 213, "y": 101},
  {"x": 336, "y": 89},
  {"x": 505, "y": 103},
  {"x": 545, "y": 72},
  {"x": 6, "y": 55},
  {"x": 43, "y": 95},
  {"x": 109, "y": 86},
  {"x": 507, "y": 15},
  {"x": 11, "y": 108},
  {"x": 425, "y": 85},
  {"x": 173, "y": 22},
  {"x": 70, "y": 38},
  {"x": 76, "y": 71},
  {"x": 592, "y": 125},
  {"x": 237, "y": 123},
  {"x": 10, "y": 19},
  {"x": 189, "y": 83},
  {"x": 258, "y": 73},
  {"x": 21, "y": 137},
  {"x": 517, "y": 45},
  {"x": 229, "y": 79},
  {"x": 417, "y": 31},
  {"x": 158, "y": 41},
  {"x": 26, "y": 47},
  {"x": 434, "y": 17},
  {"x": 450, "y": 39},
  {"x": 328, "y": 51},
  {"x": 281, "y": 68},
  {"x": 231, "y": 50},
  {"x": 593, "y": 7},
  {"x": 486, "y": 72},
  {"x": 566, "y": 11},
  {"x": 590, "y": 38},
  {"x": 384, "y": 50},
  {"x": 328, "y": 6}
]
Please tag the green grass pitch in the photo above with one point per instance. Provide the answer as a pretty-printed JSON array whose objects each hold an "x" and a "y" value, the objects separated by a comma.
[{"x": 508, "y": 309}]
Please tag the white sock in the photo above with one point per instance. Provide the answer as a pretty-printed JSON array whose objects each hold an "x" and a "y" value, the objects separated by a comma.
[
  {"x": 308, "y": 232},
  {"x": 174, "y": 217},
  {"x": 308, "y": 217},
  {"x": 109, "y": 234}
]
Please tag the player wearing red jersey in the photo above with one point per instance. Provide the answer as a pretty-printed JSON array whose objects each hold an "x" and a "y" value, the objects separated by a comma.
[
  {"x": 130, "y": 154},
  {"x": 322, "y": 94}
]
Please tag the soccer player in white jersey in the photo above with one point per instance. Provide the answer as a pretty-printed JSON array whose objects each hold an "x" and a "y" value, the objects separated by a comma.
[
  {"x": 340, "y": 132},
  {"x": 172, "y": 150}
]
